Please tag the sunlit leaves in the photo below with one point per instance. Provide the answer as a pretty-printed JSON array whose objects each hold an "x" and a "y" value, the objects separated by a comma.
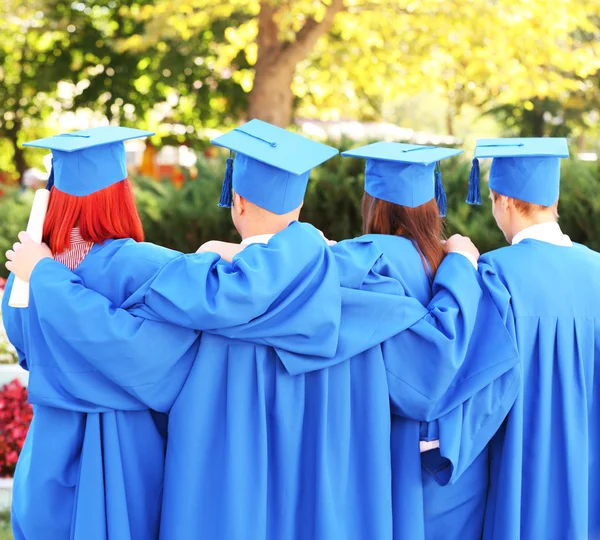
[{"x": 474, "y": 50}]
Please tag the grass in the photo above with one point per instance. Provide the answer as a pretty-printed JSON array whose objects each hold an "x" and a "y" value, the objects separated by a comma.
[{"x": 5, "y": 533}]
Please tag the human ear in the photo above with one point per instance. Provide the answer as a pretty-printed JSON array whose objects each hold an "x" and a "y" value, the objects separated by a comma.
[{"x": 238, "y": 204}]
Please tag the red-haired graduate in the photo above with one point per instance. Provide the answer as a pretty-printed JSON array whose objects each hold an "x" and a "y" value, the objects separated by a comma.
[{"x": 91, "y": 466}]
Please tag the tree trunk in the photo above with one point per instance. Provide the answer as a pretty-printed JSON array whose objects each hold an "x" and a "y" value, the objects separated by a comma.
[
  {"x": 272, "y": 98},
  {"x": 538, "y": 125}
]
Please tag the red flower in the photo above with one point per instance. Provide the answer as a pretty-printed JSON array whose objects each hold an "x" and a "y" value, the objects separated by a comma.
[
  {"x": 2, "y": 283},
  {"x": 15, "y": 417}
]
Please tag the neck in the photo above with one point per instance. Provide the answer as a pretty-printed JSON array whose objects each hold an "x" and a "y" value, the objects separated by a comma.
[
  {"x": 264, "y": 226},
  {"x": 521, "y": 223}
]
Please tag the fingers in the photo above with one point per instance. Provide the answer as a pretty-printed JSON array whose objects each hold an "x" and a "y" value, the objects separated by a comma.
[
  {"x": 17, "y": 246},
  {"x": 24, "y": 237},
  {"x": 10, "y": 255}
]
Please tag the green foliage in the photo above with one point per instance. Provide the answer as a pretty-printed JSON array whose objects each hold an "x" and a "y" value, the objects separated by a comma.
[
  {"x": 476, "y": 222},
  {"x": 34, "y": 56},
  {"x": 370, "y": 50},
  {"x": 185, "y": 218},
  {"x": 5, "y": 533},
  {"x": 14, "y": 212},
  {"x": 180, "y": 68},
  {"x": 333, "y": 199},
  {"x": 580, "y": 205}
]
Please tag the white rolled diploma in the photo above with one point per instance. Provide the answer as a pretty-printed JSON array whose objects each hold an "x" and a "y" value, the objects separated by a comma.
[{"x": 19, "y": 295}]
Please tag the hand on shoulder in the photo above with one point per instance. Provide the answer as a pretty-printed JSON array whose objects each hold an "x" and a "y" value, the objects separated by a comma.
[
  {"x": 329, "y": 242},
  {"x": 226, "y": 250},
  {"x": 461, "y": 244}
]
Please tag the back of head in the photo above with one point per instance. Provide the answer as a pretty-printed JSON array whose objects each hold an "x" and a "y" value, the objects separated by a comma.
[
  {"x": 422, "y": 225},
  {"x": 404, "y": 195},
  {"x": 107, "y": 214},
  {"x": 524, "y": 169},
  {"x": 250, "y": 219},
  {"x": 270, "y": 173},
  {"x": 89, "y": 187}
]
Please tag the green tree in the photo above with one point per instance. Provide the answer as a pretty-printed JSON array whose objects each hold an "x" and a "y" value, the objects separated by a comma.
[
  {"x": 170, "y": 85},
  {"x": 371, "y": 49},
  {"x": 573, "y": 111},
  {"x": 34, "y": 56}
]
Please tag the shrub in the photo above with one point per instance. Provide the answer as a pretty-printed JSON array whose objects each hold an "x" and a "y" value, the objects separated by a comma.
[
  {"x": 185, "y": 218},
  {"x": 15, "y": 417}
]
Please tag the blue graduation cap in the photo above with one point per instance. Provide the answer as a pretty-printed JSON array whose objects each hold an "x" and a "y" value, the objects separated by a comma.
[
  {"x": 89, "y": 160},
  {"x": 527, "y": 169},
  {"x": 272, "y": 165},
  {"x": 404, "y": 173}
]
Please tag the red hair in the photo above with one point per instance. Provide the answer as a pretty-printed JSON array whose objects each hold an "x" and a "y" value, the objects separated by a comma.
[{"x": 104, "y": 215}]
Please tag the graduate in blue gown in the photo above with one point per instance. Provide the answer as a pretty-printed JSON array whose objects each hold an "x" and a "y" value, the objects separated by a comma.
[
  {"x": 93, "y": 461},
  {"x": 264, "y": 442},
  {"x": 544, "y": 481}
]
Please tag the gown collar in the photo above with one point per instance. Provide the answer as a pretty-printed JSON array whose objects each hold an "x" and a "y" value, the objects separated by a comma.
[
  {"x": 257, "y": 239},
  {"x": 544, "y": 232},
  {"x": 264, "y": 239}
]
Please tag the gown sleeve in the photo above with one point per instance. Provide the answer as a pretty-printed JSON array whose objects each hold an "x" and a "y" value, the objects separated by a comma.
[
  {"x": 197, "y": 292},
  {"x": 458, "y": 348},
  {"x": 499, "y": 294},
  {"x": 465, "y": 430},
  {"x": 99, "y": 351},
  {"x": 150, "y": 359},
  {"x": 12, "y": 320}
]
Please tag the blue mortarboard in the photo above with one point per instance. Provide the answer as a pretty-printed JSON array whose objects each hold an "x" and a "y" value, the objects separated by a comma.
[
  {"x": 272, "y": 165},
  {"x": 527, "y": 169},
  {"x": 89, "y": 160},
  {"x": 406, "y": 174}
]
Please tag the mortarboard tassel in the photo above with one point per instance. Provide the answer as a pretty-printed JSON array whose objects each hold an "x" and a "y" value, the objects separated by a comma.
[
  {"x": 226, "y": 198},
  {"x": 50, "y": 182},
  {"x": 474, "y": 196},
  {"x": 440, "y": 193}
]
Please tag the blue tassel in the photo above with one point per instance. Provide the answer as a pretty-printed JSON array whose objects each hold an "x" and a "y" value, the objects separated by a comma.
[
  {"x": 440, "y": 193},
  {"x": 474, "y": 196},
  {"x": 226, "y": 193},
  {"x": 50, "y": 183}
]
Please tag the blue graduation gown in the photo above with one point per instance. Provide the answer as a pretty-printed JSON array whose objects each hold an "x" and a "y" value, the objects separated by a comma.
[
  {"x": 255, "y": 452},
  {"x": 315, "y": 436},
  {"x": 97, "y": 442},
  {"x": 92, "y": 463},
  {"x": 265, "y": 444},
  {"x": 544, "y": 481},
  {"x": 461, "y": 370}
]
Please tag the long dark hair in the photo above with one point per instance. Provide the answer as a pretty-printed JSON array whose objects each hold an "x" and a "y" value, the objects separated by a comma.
[{"x": 422, "y": 225}]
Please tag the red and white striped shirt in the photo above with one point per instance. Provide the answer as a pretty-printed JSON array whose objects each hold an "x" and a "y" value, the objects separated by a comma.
[{"x": 74, "y": 256}]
